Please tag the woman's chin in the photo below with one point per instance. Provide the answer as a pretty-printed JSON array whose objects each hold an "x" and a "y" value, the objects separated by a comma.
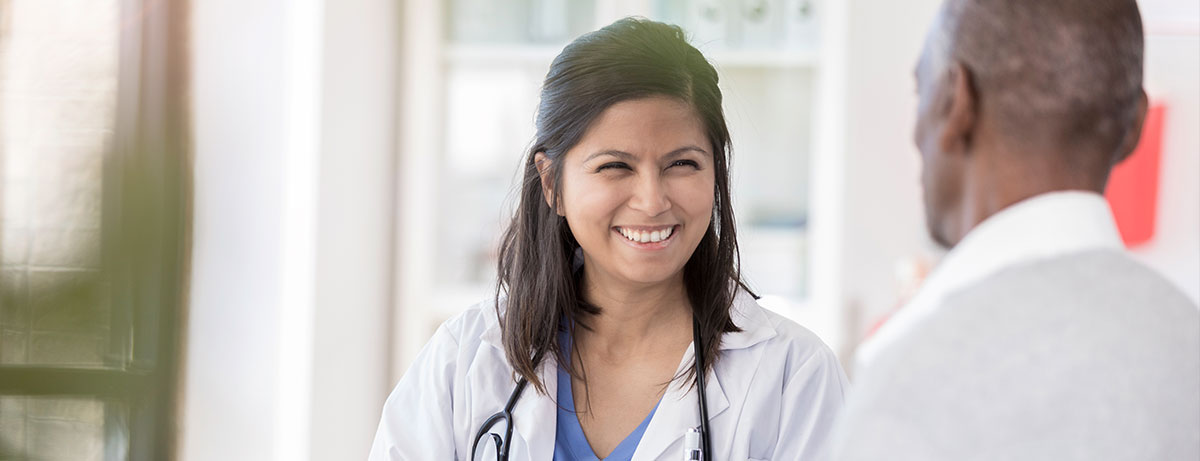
[{"x": 649, "y": 276}]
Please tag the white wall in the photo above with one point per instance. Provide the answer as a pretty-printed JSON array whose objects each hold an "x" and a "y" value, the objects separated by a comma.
[
  {"x": 240, "y": 135},
  {"x": 875, "y": 206},
  {"x": 354, "y": 260},
  {"x": 294, "y": 130},
  {"x": 1173, "y": 78}
]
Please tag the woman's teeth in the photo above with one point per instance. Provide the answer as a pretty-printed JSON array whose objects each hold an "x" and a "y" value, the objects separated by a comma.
[{"x": 646, "y": 237}]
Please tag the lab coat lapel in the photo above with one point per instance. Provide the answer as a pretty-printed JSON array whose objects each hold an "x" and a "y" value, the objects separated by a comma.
[
  {"x": 677, "y": 411},
  {"x": 679, "y": 408},
  {"x": 536, "y": 415}
]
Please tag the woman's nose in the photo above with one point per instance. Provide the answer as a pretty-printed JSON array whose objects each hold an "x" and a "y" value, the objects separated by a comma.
[{"x": 650, "y": 196}]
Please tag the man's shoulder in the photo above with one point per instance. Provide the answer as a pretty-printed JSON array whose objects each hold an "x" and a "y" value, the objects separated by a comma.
[
  {"x": 1120, "y": 273},
  {"x": 1070, "y": 351},
  {"x": 1083, "y": 312},
  {"x": 1096, "y": 286}
]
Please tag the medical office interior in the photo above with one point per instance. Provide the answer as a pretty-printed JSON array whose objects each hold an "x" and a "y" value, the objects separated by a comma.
[{"x": 228, "y": 226}]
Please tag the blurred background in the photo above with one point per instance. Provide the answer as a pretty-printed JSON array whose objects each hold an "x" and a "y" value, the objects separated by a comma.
[{"x": 227, "y": 227}]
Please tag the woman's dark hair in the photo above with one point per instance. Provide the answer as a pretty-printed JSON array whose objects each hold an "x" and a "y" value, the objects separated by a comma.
[{"x": 630, "y": 59}]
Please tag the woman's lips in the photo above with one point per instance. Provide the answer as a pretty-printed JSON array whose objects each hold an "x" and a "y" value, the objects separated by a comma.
[{"x": 647, "y": 237}]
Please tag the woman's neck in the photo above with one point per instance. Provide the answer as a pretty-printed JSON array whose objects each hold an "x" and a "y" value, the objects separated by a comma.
[{"x": 633, "y": 317}]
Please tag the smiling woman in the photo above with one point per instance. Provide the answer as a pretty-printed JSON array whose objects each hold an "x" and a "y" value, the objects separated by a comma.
[
  {"x": 637, "y": 191},
  {"x": 618, "y": 277},
  {"x": 637, "y": 194}
]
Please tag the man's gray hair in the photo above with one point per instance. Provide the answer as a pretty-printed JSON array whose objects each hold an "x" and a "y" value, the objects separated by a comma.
[{"x": 1074, "y": 65}]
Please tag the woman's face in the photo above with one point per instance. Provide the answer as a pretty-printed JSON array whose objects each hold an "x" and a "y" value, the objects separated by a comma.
[{"x": 637, "y": 190}]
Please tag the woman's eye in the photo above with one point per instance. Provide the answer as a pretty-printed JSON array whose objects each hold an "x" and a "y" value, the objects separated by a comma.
[
  {"x": 613, "y": 165},
  {"x": 691, "y": 163}
]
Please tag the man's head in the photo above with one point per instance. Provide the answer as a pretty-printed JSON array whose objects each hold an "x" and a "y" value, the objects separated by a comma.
[{"x": 1020, "y": 97}]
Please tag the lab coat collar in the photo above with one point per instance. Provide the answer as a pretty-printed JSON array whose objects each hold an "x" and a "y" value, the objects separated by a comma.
[
  {"x": 491, "y": 335},
  {"x": 753, "y": 321}
]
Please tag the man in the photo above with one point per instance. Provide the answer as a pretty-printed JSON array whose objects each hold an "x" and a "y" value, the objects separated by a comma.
[{"x": 1037, "y": 337}]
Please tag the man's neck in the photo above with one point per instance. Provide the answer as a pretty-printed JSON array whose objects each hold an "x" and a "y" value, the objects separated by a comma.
[{"x": 1000, "y": 178}]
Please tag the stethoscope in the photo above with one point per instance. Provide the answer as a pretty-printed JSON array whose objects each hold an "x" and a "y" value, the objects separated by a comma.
[{"x": 502, "y": 444}]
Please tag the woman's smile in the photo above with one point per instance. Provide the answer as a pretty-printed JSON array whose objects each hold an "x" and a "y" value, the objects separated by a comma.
[{"x": 646, "y": 237}]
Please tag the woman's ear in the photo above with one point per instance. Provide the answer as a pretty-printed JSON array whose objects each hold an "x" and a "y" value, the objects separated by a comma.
[{"x": 543, "y": 166}]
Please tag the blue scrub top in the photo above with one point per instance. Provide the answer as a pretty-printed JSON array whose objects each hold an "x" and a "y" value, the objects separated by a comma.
[{"x": 569, "y": 442}]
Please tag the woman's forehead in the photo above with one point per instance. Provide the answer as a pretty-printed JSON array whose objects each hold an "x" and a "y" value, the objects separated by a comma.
[{"x": 652, "y": 126}]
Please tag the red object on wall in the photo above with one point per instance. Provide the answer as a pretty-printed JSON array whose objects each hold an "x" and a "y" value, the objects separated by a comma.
[{"x": 1133, "y": 185}]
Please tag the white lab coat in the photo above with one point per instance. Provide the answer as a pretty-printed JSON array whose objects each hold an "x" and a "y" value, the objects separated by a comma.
[{"x": 773, "y": 394}]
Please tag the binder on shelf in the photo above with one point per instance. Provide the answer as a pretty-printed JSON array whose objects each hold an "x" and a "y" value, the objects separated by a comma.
[
  {"x": 488, "y": 21},
  {"x": 707, "y": 22},
  {"x": 801, "y": 24},
  {"x": 548, "y": 20},
  {"x": 757, "y": 24}
]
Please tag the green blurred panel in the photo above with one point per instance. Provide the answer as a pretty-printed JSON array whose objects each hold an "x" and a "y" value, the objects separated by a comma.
[
  {"x": 58, "y": 119},
  {"x": 14, "y": 240},
  {"x": 56, "y": 348},
  {"x": 14, "y": 347},
  {"x": 56, "y": 316},
  {"x": 84, "y": 267},
  {"x": 56, "y": 428},
  {"x": 68, "y": 301},
  {"x": 14, "y": 299}
]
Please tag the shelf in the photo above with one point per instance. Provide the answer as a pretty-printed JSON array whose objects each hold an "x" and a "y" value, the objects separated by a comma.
[
  {"x": 770, "y": 59},
  {"x": 501, "y": 54},
  {"x": 544, "y": 54}
]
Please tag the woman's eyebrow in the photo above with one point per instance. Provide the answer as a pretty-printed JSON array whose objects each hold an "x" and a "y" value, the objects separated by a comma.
[
  {"x": 615, "y": 153},
  {"x": 628, "y": 156},
  {"x": 682, "y": 150}
]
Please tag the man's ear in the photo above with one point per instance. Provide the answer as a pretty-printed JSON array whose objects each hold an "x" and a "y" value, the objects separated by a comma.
[
  {"x": 543, "y": 166},
  {"x": 959, "y": 106},
  {"x": 1130, "y": 140}
]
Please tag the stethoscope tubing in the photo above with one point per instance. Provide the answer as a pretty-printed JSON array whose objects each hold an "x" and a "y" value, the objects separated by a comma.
[
  {"x": 506, "y": 414},
  {"x": 698, "y": 345}
]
